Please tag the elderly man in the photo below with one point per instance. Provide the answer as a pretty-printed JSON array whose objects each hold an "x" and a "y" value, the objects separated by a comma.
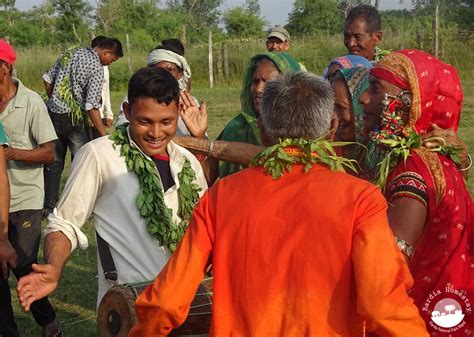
[
  {"x": 363, "y": 32},
  {"x": 31, "y": 136},
  {"x": 286, "y": 263},
  {"x": 278, "y": 39}
]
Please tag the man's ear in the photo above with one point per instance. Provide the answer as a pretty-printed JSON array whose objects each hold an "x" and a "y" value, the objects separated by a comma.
[
  {"x": 126, "y": 110},
  {"x": 263, "y": 135},
  {"x": 333, "y": 126},
  {"x": 378, "y": 37}
]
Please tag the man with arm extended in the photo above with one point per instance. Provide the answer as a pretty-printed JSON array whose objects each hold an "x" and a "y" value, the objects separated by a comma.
[
  {"x": 298, "y": 248},
  {"x": 132, "y": 185},
  {"x": 74, "y": 87},
  {"x": 31, "y": 135}
]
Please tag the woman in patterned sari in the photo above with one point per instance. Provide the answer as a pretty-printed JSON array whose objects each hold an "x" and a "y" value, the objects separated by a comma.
[{"x": 430, "y": 210}]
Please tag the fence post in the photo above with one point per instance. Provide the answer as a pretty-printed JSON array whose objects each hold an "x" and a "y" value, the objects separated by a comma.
[
  {"x": 211, "y": 76},
  {"x": 129, "y": 59},
  {"x": 220, "y": 61},
  {"x": 226, "y": 63}
]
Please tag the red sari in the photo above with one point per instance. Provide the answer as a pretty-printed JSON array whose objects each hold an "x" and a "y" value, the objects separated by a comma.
[{"x": 443, "y": 261}]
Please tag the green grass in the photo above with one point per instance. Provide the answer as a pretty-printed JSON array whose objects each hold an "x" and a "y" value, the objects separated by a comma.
[{"x": 75, "y": 299}]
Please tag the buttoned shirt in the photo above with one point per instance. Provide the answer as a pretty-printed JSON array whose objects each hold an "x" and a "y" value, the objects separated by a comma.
[
  {"x": 100, "y": 186},
  {"x": 86, "y": 75}
]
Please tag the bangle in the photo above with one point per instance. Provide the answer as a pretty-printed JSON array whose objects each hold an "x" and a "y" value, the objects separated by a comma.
[
  {"x": 405, "y": 247},
  {"x": 468, "y": 166},
  {"x": 211, "y": 147},
  {"x": 200, "y": 157}
]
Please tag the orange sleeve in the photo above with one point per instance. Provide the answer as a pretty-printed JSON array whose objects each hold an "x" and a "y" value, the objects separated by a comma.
[
  {"x": 381, "y": 274},
  {"x": 164, "y": 305}
]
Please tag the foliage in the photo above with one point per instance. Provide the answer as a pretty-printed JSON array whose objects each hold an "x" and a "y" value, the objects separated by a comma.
[
  {"x": 73, "y": 20},
  {"x": 243, "y": 23},
  {"x": 280, "y": 158},
  {"x": 311, "y": 16},
  {"x": 150, "y": 200}
]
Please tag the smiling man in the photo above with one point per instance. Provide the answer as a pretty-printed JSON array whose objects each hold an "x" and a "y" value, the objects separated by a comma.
[
  {"x": 131, "y": 184},
  {"x": 363, "y": 32}
]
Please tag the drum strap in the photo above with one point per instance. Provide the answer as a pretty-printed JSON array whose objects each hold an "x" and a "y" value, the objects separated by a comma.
[{"x": 106, "y": 259}]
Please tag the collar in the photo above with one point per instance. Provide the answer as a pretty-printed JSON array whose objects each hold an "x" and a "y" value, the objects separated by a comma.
[{"x": 20, "y": 98}]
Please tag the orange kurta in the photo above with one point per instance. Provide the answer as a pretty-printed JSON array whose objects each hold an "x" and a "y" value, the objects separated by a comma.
[{"x": 309, "y": 254}]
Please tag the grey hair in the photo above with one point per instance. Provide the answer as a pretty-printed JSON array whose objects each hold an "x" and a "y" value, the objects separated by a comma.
[{"x": 297, "y": 105}]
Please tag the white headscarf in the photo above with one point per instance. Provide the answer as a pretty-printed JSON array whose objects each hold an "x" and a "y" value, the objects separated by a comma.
[{"x": 159, "y": 55}]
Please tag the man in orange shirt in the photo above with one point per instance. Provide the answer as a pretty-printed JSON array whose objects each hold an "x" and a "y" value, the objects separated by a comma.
[{"x": 298, "y": 248}]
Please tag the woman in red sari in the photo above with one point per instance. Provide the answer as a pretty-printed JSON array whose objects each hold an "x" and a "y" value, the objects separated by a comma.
[{"x": 430, "y": 210}]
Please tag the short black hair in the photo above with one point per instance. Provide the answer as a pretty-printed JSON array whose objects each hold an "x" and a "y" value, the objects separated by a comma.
[
  {"x": 367, "y": 13},
  {"x": 174, "y": 45},
  {"x": 154, "y": 83},
  {"x": 97, "y": 40},
  {"x": 111, "y": 44}
]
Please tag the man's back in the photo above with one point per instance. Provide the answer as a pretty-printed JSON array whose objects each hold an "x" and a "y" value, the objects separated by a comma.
[{"x": 310, "y": 254}]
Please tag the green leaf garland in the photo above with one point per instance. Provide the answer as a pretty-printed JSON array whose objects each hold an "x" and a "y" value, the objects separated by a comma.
[
  {"x": 279, "y": 158},
  {"x": 150, "y": 200}
]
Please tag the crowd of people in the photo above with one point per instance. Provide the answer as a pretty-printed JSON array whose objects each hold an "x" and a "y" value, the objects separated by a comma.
[{"x": 331, "y": 205}]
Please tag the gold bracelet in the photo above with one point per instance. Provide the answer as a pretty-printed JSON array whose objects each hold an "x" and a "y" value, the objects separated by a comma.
[{"x": 468, "y": 166}]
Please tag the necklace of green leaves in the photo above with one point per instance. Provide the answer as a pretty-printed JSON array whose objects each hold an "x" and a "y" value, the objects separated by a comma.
[
  {"x": 150, "y": 200},
  {"x": 279, "y": 158}
]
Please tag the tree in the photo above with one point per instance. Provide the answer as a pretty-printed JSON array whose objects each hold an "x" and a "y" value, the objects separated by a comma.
[
  {"x": 240, "y": 22},
  {"x": 310, "y": 16},
  {"x": 200, "y": 14},
  {"x": 107, "y": 12},
  {"x": 253, "y": 6},
  {"x": 8, "y": 10},
  {"x": 73, "y": 18}
]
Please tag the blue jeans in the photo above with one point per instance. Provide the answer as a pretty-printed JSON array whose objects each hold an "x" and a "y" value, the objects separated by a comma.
[
  {"x": 69, "y": 136},
  {"x": 24, "y": 234}
]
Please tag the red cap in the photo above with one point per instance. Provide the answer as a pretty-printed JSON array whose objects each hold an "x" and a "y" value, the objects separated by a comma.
[{"x": 7, "y": 54}]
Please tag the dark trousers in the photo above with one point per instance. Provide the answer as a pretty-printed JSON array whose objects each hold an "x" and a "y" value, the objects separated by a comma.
[
  {"x": 24, "y": 233},
  {"x": 69, "y": 136}
]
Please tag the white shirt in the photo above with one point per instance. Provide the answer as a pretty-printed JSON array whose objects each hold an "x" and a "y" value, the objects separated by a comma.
[
  {"x": 100, "y": 186},
  {"x": 106, "y": 108}
]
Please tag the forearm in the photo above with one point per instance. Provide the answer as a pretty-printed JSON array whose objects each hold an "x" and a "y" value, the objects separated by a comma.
[
  {"x": 94, "y": 115},
  {"x": 41, "y": 155},
  {"x": 48, "y": 87},
  {"x": 233, "y": 152},
  {"x": 57, "y": 249},
  {"x": 4, "y": 196}
]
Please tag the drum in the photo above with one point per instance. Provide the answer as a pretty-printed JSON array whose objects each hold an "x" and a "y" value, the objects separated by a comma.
[{"x": 116, "y": 314}]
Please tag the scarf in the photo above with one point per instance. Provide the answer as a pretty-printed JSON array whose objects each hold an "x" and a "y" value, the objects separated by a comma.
[
  {"x": 159, "y": 55},
  {"x": 243, "y": 127},
  {"x": 348, "y": 61}
]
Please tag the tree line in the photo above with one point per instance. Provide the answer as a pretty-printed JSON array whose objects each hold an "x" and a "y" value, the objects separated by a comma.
[{"x": 56, "y": 22}]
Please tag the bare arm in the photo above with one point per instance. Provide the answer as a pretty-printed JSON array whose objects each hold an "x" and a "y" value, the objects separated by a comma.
[
  {"x": 4, "y": 194},
  {"x": 45, "y": 278},
  {"x": 407, "y": 219},
  {"x": 49, "y": 88},
  {"x": 97, "y": 121},
  {"x": 7, "y": 253},
  {"x": 232, "y": 152},
  {"x": 44, "y": 154}
]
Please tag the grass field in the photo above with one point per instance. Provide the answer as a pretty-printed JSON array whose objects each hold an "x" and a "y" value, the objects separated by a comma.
[{"x": 75, "y": 299}]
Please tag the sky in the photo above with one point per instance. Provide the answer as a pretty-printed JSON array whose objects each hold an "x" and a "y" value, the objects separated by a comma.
[{"x": 275, "y": 11}]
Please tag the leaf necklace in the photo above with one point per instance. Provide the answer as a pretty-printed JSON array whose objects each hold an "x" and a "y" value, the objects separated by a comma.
[
  {"x": 398, "y": 140},
  {"x": 279, "y": 158},
  {"x": 150, "y": 200}
]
